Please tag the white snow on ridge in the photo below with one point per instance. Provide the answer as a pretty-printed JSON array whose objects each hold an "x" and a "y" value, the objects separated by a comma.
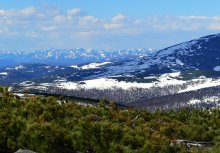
[
  {"x": 27, "y": 83},
  {"x": 194, "y": 101},
  {"x": 90, "y": 66},
  {"x": 75, "y": 66},
  {"x": 106, "y": 83},
  {"x": 165, "y": 80},
  {"x": 207, "y": 82},
  {"x": 212, "y": 99},
  {"x": 102, "y": 83},
  {"x": 22, "y": 95},
  {"x": 19, "y": 67},
  {"x": 94, "y": 65},
  {"x": 4, "y": 73},
  {"x": 168, "y": 75}
]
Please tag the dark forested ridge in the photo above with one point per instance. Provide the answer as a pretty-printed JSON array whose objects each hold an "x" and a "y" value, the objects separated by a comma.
[{"x": 55, "y": 125}]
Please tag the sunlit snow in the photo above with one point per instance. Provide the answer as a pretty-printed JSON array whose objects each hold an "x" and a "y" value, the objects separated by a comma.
[
  {"x": 94, "y": 65},
  {"x": 19, "y": 67},
  {"x": 106, "y": 83},
  {"x": 4, "y": 73}
]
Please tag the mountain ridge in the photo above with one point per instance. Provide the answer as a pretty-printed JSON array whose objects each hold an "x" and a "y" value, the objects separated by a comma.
[
  {"x": 178, "y": 70},
  {"x": 66, "y": 57}
]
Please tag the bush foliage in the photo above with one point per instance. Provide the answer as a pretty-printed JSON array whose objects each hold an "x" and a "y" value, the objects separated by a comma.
[{"x": 52, "y": 125}]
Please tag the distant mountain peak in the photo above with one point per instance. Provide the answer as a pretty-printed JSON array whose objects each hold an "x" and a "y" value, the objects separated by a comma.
[{"x": 70, "y": 57}]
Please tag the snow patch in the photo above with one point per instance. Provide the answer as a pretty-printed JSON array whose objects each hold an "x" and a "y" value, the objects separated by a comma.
[
  {"x": 75, "y": 66},
  {"x": 102, "y": 83},
  {"x": 165, "y": 80},
  {"x": 179, "y": 62},
  {"x": 4, "y": 73},
  {"x": 217, "y": 68},
  {"x": 94, "y": 65},
  {"x": 212, "y": 99},
  {"x": 27, "y": 83},
  {"x": 205, "y": 83},
  {"x": 19, "y": 67},
  {"x": 106, "y": 83},
  {"x": 194, "y": 101}
]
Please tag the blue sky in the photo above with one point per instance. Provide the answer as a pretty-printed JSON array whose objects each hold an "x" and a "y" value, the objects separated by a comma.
[
  {"x": 139, "y": 8},
  {"x": 114, "y": 24}
]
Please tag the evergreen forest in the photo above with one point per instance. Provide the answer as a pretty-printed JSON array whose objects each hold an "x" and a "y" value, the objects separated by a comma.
[{"x": 47, "y": 124}]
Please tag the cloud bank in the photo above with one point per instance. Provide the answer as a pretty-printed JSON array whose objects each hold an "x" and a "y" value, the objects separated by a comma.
[{"x": 48, "y": 27}]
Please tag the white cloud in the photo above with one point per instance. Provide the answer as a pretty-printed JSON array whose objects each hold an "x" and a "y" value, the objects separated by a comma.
[
  {"x": 117, "y": 22},
  {"x": 214, "y": 26},
  {"x": 42, "y": 20},
  {"x": 216, "y": 18},
  {"x": 119, "y": 18},
  {"x": 32, "y": 34},
  {"x": 194, "y": 17},
  {"x": 3, "y": 30},
  {"x": 54, "y": 26},
  {"x": 182, "y": 23},
  {"x": 48, "y": 28},
  {"x": 74, "y": 11},
  {"x": 86, "y": 20},
  {"x": 28, "y": 11},
  {"x": 59, "y": 19},
  {"x": 113, "y": 26}
]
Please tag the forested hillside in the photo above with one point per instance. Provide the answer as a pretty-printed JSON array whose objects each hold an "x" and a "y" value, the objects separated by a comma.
[{"x": 55, "y": 125}]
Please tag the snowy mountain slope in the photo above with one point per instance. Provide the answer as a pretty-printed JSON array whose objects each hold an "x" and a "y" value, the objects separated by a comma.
[
  {"x": 174, "y": 71},
  {"x": 198, "y": 54},
  {"x": 202, "y": 54},
  {"x": 136, "y": 94}
]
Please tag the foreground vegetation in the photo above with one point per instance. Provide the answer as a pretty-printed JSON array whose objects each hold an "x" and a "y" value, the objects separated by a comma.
[{"x": 53, "y": 125}]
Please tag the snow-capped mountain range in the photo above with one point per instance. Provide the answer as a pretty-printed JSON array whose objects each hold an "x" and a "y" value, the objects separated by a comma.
[
  {"x": 66, "y": 57},
  {"x": 134, "y": 78}
]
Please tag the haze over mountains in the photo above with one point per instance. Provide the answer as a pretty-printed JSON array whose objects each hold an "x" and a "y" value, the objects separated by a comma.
[
  {"x": 187, "y": 74},
  {"x": 66, "y": 57}
]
